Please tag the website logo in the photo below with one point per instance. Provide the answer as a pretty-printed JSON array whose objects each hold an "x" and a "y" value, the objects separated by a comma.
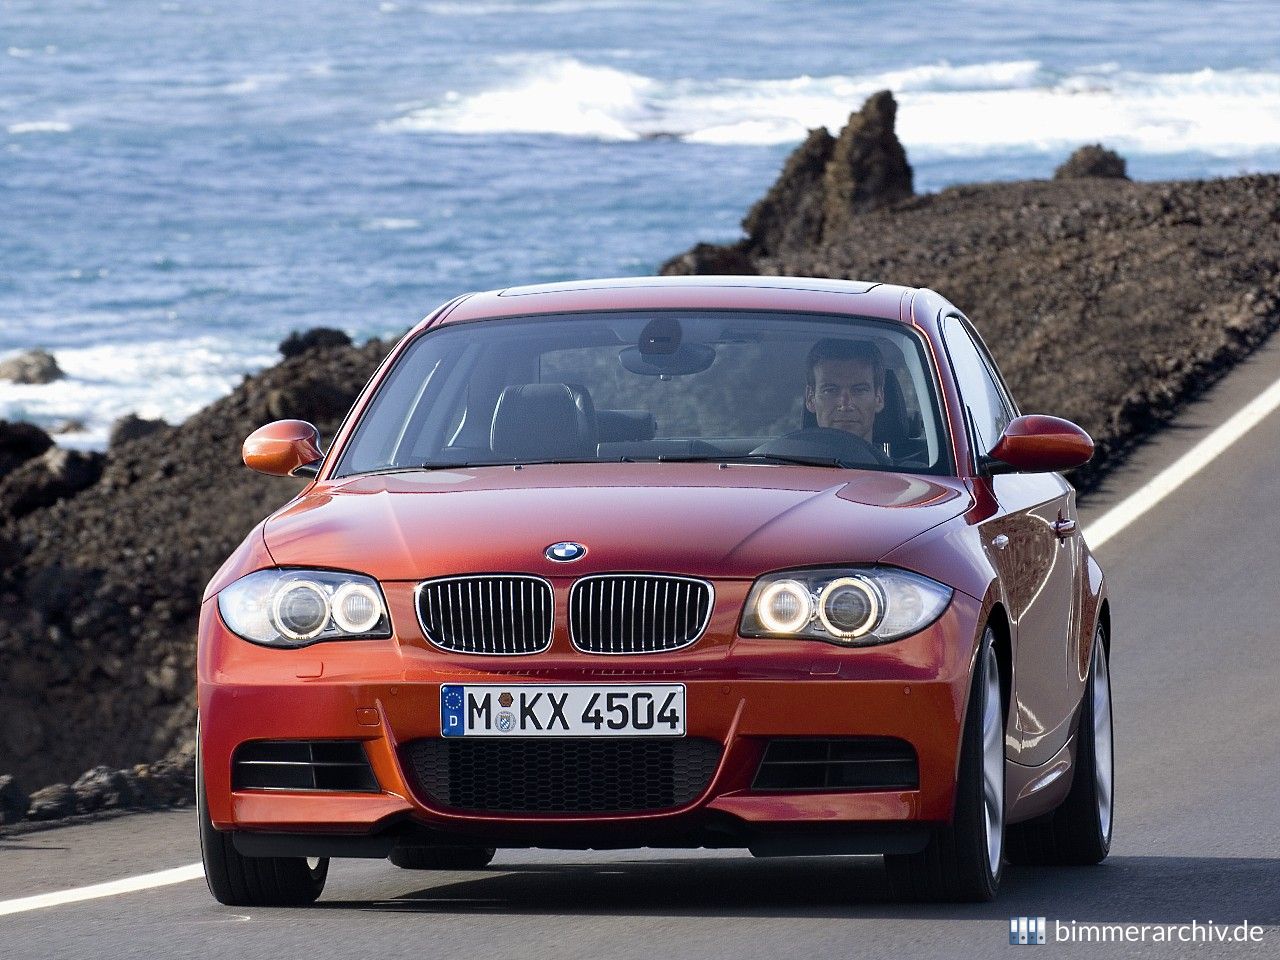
[{"x": 1026, "y": 930}]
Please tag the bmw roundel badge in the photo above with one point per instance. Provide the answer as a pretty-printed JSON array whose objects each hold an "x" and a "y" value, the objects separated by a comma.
[{"x": 565, "y": 551}]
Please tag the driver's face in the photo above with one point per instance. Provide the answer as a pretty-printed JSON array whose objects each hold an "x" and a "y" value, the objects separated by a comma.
[{"x": 845, "y": 396}]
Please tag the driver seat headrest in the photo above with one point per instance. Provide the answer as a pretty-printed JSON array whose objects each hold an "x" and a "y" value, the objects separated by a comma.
[{"x": 539, "y": 421}]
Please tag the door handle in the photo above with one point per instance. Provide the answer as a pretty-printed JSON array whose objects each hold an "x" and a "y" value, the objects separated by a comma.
[{"x": 1064, "y": 527}]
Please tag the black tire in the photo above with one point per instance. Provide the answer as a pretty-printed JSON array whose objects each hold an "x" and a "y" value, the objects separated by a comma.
[
  {"x": 1077, "y": 833},
  {"x": 442, "y": 858},
  {"x": 956, "y": 864},
  {"x": 240, "y": 881}
]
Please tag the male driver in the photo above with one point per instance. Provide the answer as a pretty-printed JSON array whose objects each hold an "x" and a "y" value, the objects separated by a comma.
[{"x": 846, "y": 385}]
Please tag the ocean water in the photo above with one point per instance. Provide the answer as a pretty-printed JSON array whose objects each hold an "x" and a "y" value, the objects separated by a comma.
[{"x": 183, "y": 183}]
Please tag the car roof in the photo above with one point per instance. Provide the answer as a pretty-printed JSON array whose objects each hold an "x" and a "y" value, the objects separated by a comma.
[{"x": 806, "y": 294}]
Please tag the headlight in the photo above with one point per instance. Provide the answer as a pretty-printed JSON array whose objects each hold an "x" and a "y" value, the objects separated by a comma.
[
  {"x": 853, "y": 606},
  {"x": 292, "y": 608}
]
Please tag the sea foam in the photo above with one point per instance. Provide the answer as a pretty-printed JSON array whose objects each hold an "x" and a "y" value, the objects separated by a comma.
[
  {"x": 944, "y": 110},
  {"x": 39, "y": 126},
  {"x": 169, "y": 379}
]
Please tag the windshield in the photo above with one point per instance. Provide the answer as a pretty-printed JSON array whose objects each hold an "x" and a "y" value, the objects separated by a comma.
[{"x": 833, "y": 391}]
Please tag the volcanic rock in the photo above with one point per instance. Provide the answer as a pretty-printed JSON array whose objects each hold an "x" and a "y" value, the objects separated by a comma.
[
  {"x": 315, "y": 338},
  {"x": 44, "y": 480},
  {"x": 98, "y": 606},
  {"x": 52, "y": 803},
  {"x": 1093, "y": 160},
  {"x": 131, "y": 427},
  {"x": 102, "y": 787},
  {"x": 791, "y": 212},
  {"x": 309, "y": 398},
  {"x": 13, "y": 800},
  {"x": 710, "y": 259},
  {"x": 32, "y": 366},
  {"x": 20, "y": 442},
  {"x": 826, "y": 182},
  {"x": 868, "y": 168}
]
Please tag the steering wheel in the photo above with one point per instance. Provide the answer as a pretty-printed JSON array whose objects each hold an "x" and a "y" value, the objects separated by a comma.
[{"x": 824, "y": 442}]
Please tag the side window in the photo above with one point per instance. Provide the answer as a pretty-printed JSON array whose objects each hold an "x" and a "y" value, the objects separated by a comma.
[{"x": 978, "y": 388}]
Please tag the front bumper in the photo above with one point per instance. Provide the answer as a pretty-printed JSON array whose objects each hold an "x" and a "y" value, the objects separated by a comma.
[{"x": 740, "y": 693}]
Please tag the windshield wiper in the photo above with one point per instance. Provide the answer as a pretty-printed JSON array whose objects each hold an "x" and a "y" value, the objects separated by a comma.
[
  {"x": 414, "y": 468},
  {"x": 491, "y": 463},
  {"x": 795, "y": 459},
  {"x": 748, "y": 458},
  {"x": 792, "y": 458}
]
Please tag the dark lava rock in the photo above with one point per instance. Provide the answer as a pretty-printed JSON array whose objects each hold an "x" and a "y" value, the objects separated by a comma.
[
  {"x": 709, "y": 259},
  {"x": 168, "y": 782},
  {"x": 20, "y": 442},
  {"x": 131, "y": 427},
  {"x": 100, "y": 599},
  {"x": 33, "y": 366},
  {"x": 52, "y": 803},
  {"x": 868, "y": 167},
  {"x": 1093, "y": 160},
  {"x": 8, "y": 551},
  {"x": 102, "y": 787},
  {"x": 13, "y": 800},
  {"x": 45, "y": 480},
  {"x": 310, "y": 399},
  {"x": 791, "y": 211},
  {"x": 315, "y": 338},
  {"x": 826, "y": 182}
]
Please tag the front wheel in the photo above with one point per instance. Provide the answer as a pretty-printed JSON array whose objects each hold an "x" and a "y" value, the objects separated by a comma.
[
  {"x": 963, "y": 859},
  {"x": 240, "y": 881},
  {"x": 1079, "y": 831}
]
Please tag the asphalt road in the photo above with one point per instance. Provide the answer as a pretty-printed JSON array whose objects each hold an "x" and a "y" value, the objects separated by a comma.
[{"x": 1196, "y": 674}]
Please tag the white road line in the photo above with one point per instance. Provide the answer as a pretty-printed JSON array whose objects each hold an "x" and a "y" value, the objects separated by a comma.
[
  {"x": 1169, "y": 479},
  {"x": 112, "y": 888}
]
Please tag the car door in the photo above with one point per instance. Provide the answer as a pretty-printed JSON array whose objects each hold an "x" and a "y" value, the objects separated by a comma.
[{"x": 1035, "y": 549}]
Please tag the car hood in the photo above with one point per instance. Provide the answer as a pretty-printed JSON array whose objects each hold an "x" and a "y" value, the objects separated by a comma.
[{"x": 699, "y": 519}]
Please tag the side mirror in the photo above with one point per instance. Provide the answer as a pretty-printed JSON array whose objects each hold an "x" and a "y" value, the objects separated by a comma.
[
  {"x": 286, "y": 448},
  {"x": 1039, "y": 444}
]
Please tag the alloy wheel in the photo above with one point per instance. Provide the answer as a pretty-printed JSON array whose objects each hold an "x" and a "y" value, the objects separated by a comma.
[
  {"x": 1104, "y": 771},
  {"x": 993, "y": 761}
]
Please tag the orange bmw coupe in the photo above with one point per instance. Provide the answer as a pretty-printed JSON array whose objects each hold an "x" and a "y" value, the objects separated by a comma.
[{"x": 741, "y": 562}]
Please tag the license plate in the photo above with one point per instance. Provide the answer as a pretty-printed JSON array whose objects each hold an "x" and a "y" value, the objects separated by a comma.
[{"x": 574, "y": 710}]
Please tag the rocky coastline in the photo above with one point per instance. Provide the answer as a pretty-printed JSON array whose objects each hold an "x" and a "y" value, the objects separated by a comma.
[{"x": 1107, "y": 301}]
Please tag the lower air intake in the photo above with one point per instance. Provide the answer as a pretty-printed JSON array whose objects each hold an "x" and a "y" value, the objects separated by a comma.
[
  {"x": 339, "y": 765},
  {"x": 847, "y": 763},
  {"x": 562, "y": 775}
]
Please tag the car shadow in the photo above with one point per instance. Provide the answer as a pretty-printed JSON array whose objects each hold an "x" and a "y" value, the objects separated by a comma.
[{"x": 1123, "y": 889}]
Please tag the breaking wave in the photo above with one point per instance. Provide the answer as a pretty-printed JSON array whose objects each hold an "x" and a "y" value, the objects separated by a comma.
[{"x": 944, "y": 110}]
